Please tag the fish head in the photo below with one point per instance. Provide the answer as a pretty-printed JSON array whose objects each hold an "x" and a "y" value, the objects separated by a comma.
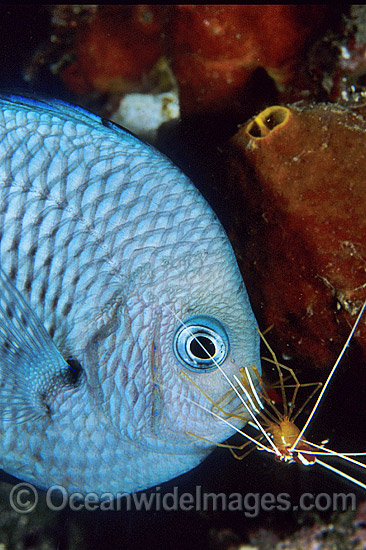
[
  {"x": 211, "y": 335},
  {"x": 188, "y": 328}
]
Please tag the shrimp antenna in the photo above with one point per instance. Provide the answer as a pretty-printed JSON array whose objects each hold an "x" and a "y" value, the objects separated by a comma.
[
  {"x": 326, "y": 384},
  {"x": 340, "y": 473},
  {"x": 233, "y": 387}
]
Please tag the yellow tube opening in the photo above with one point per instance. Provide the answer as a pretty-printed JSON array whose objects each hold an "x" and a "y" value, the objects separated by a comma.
[{"x": 267, "y": 121}]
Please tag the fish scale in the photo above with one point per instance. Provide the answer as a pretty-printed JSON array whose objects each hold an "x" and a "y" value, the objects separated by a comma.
[{"x": 106, "y": 250}]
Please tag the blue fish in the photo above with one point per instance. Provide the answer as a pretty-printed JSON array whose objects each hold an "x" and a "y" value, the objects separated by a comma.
[{"x": 116, "y": 279}]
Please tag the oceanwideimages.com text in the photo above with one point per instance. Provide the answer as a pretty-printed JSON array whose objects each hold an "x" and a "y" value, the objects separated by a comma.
[{"x": 24, "y": 499}]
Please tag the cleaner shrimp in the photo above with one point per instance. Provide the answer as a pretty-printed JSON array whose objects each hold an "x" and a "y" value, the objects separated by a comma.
[{"x": 278, "y": 433}]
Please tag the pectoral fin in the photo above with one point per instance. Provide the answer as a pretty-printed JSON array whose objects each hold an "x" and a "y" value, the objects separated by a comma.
[{"x": 32, "y": 370}]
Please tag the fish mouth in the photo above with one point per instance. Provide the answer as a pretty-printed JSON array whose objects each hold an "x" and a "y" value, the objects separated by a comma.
[
  {"x": 242, "y": 401},
  {"x": 230, "y": 407},
  {"x": 233, "y": 410}
]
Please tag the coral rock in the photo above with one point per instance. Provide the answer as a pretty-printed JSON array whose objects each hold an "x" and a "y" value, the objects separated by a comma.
[
  {"x": 303, "y": 239},
  {"x": 216, "y": 48},
  {"x": 114, "y": 50}
]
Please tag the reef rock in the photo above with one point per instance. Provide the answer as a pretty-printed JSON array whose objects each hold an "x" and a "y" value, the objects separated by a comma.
[
  {"x": 216, "y": 49},
  {"x": 299, "y": 171}
]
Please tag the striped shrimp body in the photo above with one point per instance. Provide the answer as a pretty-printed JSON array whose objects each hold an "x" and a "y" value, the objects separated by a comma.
[
  {"x": 278, "y": 433},
  {"x": 284, "y": 434}
]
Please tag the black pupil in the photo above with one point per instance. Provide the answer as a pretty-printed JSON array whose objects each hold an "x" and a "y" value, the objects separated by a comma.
[{"x": 202, "y": 347}]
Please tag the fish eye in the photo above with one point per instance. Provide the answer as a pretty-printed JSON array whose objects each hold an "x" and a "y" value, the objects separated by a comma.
[{"x": 201, "y": 343}]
